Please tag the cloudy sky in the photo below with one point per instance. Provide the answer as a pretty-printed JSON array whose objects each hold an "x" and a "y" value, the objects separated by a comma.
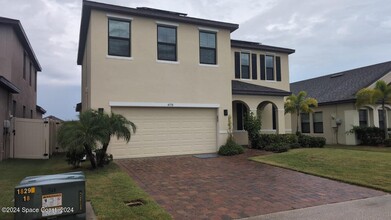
[{"x": 328, "y": 35}]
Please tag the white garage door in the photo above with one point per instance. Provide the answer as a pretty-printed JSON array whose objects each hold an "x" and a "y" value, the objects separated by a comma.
[{"x": 167, "y": 131}]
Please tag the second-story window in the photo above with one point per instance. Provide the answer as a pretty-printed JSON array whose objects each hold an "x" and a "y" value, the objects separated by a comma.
[
  {"x": 245, "y": 65},
  {"x": 208, "y": 47},
  {"x": 119, "y": 37},
  {"x": 166, "y": 43},
  {"x": 269, "y": 60}
]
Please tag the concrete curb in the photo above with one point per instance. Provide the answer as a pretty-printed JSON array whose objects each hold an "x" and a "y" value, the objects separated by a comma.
[{"x": 374, "y": 208}]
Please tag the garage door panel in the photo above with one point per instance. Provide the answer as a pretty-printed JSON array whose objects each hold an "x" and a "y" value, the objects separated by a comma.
[{"x": 167, "y": 131}]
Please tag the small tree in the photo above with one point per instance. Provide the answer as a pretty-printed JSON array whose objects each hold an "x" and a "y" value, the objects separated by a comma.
[
  {"x": 85, "y": 133},
  {"x": 299, "y": 103},
  {"x": 380, "y": 94},
  {"x": 230, "y": 147},
  {"x": 93, "y": 132},
  {"x": 116, "y": 125},
  {"x": 253, "y": 125}
]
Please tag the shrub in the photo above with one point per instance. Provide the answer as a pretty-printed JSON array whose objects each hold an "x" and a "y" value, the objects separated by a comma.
[
  {"x": 106, "y": 159},
  {"x": 369, "y": 135},
  {"x": 277, "y": 147},
  {"x": 267, "y": 139},
  {"x": 294, "y": 145},
  {"x": 387, "y": 142},
  {"x": 311, "y": 142},
  {"x": 253, "y": 124},
  {"x": 74, "y": 157},
  {"x": 230, "y": 148}
]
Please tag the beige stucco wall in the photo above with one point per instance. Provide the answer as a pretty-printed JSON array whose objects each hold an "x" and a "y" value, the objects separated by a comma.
[
  {"x": 11, "y": 67},
  {"x": 144, "y": 79},
  {"x": 348, "y": 113},
  {"x": 283, "y": 84},
  {"x": 252, "y": 102}
]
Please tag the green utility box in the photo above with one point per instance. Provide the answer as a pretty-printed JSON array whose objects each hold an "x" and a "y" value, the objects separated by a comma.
[{"x": 59, "y": 196}]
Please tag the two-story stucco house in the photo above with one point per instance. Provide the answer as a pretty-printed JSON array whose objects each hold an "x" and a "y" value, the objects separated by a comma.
[
  {"x": 178, "y": 78},
  {"x": 18, "y": 79}
]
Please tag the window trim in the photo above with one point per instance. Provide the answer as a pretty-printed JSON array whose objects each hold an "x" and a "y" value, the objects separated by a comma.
[
  {"x": 169, "y": 44},
  {"x": 274, "y": 68},
  {"x": 249, "y": 66},
  {"x": 201, "y": 30},
  {"x": 367, "y": 117},
  {"x": 313, "y": 123},
  {"x": 24, "y": 64},
  {"x": 301, "y": 123},
  {"x": 129, "y": 40}
]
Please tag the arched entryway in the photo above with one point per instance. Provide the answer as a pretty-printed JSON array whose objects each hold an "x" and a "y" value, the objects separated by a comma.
[
  {"x": 239, "y": 109},
  {"x": 269, "y": 116}
]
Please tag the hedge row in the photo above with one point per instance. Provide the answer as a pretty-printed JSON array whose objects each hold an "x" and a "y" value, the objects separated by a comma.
[{"x": 280, "y": 142}]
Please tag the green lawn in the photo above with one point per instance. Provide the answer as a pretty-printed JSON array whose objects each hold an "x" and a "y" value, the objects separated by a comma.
[
  {"x": 107, "y": 188},
  {"x": 366, "y": 166}
]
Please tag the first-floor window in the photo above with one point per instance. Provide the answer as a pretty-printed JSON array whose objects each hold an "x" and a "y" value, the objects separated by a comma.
[
  {"x": 318, "y": 122},
  {"x": 119, "y": 37},
  {"x": 381, "y": 119},
  {"x": 241, "y": 111},
  {"x": 305, "y": 122},
  {"x": 24, "y": 111},
  {"x": 274, "y": 116},
  {"x": 363, "y": 117}
]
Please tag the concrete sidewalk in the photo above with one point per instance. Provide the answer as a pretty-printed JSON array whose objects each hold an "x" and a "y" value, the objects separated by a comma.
[{"x": 375, "y": 208}]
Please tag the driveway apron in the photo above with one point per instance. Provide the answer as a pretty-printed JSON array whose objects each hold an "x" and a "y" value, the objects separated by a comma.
[{"x": 233, "y": 187}]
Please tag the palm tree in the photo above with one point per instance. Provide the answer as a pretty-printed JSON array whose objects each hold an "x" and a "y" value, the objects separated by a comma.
[
  {"x": 380, "y": 94},
  {"x": 298, "y": 104},
  {"x": 92, "y": 131},
  {"x": 85, "y": 133},
  {"x": 116, "y": 125}
]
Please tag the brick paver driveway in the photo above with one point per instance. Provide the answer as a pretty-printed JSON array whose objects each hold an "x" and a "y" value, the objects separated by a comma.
[{"x": 233, "y": 187}]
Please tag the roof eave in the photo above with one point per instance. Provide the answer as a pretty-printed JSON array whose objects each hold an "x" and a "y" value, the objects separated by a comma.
[
  {"x": 243, "y": 45},
  {"x": 89, "y": 5},
  {"x": 244, "y": 92},
  {"x": 9, "y": 86},
  {"x": 337, "y": 102},
  {"x": 23, "y": 39}
]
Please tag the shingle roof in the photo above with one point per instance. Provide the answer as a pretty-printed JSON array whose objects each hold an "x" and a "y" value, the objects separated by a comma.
[
  {"x": 242, "y": 88},
  {"x": 17, "y": 26},
  {"x": 141, "y": 11},
  {"x": 341, "y": 86},
  {"x": 259, "y": 46}
]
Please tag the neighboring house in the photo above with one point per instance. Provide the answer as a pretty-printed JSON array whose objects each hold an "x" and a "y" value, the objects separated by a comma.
[
  {"x": 54, "y": 118},
  {"x": 177, "y": 78},
  {"x": 337, "y": 113},
  {"x": 18, "y": 79}
]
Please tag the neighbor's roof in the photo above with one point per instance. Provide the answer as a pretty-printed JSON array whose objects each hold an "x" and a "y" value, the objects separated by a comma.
[
  {"x": 342, "y": 86},
  {"x": 143, "y": 12},
  {"x": 53, "y": 118},
  {"x": 9, "y": 86},
  {"x": 242, "y": 88},
  {"x": 40, "y": 109},
  {"x": 258, "y": 46},
  {"x": 22, "y": 38}
]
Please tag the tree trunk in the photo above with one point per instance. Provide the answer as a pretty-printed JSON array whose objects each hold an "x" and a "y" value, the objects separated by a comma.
[
  {"x": 102, "y": 154},
  {"x": 384, "y": 120},
  {"x": 91, "y": 156},
  {"x": 297, "y": 122}
]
